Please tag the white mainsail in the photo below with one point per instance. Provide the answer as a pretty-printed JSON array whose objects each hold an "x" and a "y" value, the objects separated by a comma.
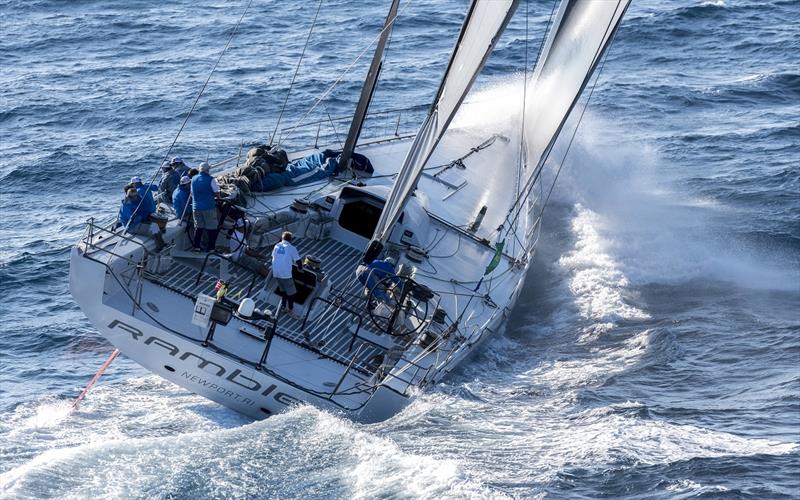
[
  {"x": 485, "y": 21},
  {"x": 581, "y": 31}
]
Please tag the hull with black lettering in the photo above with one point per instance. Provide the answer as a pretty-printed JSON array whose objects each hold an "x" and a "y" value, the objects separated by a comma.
[
  {"x": 235, "y": 384},
  {"x": 217, "y": 377}
]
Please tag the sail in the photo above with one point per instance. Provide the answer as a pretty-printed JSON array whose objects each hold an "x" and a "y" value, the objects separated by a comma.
[
  {"x": 580, "y": 34},
  {"x": 483, "y": 24}
]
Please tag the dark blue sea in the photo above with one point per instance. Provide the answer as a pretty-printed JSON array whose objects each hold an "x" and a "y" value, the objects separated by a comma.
[{"x": 654, "y": 353}]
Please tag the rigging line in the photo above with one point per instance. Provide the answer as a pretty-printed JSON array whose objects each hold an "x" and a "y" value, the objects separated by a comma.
[
  {"x": 525, "y": 86},
  {"x": 213, "y": 69},
  {"x": 434, "y": 243},
  {"x": 525, "y": 80},
  {"x": 546, "y": 32},
  {"x": 335, "y": 132},
  {"x": 427, "y": 246},
  {"x": 346, "y": 71},
  {"x": 455, "y": 252},
  {"x": 525, "y": 83},
  {"x": 296, "y": 70},
  {"x": 523, "y": 158},
  {"x": 529, "y": 185}
]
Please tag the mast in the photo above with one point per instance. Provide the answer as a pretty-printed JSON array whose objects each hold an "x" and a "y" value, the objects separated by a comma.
[{"x": 369, "y": 88}]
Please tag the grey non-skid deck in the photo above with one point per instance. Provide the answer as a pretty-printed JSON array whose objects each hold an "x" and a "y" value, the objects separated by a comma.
[{"x": 331, "y": 329}]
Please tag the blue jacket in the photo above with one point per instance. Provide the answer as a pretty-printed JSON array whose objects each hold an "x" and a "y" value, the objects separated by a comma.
[
  {"x": 376, "y": 271},
  {"x": 179, "y": 198},
  {"x": 202, "y": 194},
  {"x": 146, "y": 192},
  {"x": 128, "y": 212}
]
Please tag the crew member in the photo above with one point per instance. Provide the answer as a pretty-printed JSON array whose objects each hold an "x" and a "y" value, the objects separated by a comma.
[
  {"x": 181, "y": 199},
  {"x": 179, "y": 166},
  {"x": 374, "y": 273},
  {"x": 146, "y": 193},
  {"x": 284, "y": 255},
  {"x": 205, "y": 190},
  {"x": 132, "y": 216},
  {"x": 169, "y": 181}
]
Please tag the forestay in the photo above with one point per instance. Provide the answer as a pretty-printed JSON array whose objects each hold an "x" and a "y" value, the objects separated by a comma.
[{"x": 485, "y": 21}]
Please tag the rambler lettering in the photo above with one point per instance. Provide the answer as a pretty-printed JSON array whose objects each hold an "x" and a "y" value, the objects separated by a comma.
[
  {"x": 203, "y": 362},
  {"x": 135, "y": 332},
  {"x": 219, "y": 371}
]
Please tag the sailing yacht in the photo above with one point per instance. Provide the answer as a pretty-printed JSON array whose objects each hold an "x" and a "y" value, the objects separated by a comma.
[{"x": 453, "y": 230}]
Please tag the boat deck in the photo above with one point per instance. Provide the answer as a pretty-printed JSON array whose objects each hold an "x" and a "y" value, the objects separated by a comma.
[{"x": 330, "y": 330}]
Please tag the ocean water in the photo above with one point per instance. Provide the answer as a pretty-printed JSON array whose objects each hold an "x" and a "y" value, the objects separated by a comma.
[{"x": 655, "y": 350}]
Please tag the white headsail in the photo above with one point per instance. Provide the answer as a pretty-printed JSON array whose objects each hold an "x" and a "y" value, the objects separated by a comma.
[
  {"x": 581, "y": 31},
  {"x": 485, "y": 21}
]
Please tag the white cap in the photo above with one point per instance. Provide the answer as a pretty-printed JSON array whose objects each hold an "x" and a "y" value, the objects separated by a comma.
[
  {"x": 239, "y": 222},
  {"x": 136, "y": 179},
  {"x": 186, "y": 179},
  {"x": 204, "y": 167}
]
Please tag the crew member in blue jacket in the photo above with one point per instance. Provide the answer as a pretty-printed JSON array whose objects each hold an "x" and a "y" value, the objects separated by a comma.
[
  {"x": 132, "y": 216},
  {"x": 205, "y": 190},
  {"x": 181, "y": 199},
  {"x": 146, "y": 192},
  {"x": 377, "y": 270}
]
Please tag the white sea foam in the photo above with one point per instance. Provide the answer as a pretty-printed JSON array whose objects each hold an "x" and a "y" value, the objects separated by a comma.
[
  {"x": 688, "y": 486},
  {"x": 596, "y": 281},
  {"x": 48, "y": 414},
  {"x": 261, "y": 458},
  {"x": 652, "y": 231}
]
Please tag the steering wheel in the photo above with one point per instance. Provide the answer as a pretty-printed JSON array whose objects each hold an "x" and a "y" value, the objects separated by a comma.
[{"x": 398, "y": 305}]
